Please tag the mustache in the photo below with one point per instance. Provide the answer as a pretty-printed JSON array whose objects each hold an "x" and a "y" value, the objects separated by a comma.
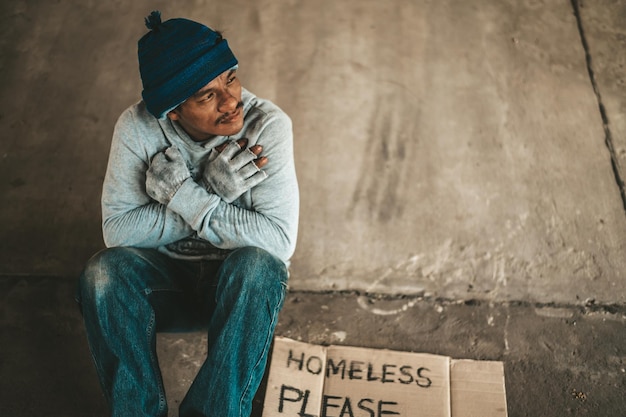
[{"x": 227, "y": 115}]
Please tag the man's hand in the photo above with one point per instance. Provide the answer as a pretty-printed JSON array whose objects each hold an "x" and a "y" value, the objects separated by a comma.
[
  {"x": 260, "y": 162},
  {"x": 232, "y": 169},
  {"x": 166, "y": 174}
]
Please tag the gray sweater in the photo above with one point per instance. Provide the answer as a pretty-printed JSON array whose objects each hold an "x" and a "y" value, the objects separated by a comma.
[{"x": 198, "y": 224}]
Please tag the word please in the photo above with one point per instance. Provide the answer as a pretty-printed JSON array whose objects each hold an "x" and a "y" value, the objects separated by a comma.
[
  {"x": 334, "y": 406},
  {"x": 386, "y": 373}
]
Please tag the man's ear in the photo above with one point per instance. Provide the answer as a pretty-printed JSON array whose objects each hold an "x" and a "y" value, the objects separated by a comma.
[{"x": 173, "y": 115}]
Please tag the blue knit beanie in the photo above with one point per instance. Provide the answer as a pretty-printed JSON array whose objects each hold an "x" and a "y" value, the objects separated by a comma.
[{"x": 177, "y": 58}]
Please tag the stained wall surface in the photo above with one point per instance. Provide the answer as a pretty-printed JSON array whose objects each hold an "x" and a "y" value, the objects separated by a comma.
[{"x": 453, "y": 148}]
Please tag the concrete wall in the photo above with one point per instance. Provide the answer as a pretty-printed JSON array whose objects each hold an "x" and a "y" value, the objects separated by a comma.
[{"x": 450, "y": 147}]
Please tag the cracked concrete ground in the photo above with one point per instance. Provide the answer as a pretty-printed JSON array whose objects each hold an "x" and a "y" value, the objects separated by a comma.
[{"x": 559, "y": 360}]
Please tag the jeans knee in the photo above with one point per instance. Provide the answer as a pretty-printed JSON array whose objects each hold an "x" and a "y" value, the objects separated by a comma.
[
  {"x": 99, "y": 273},
  {"x": 257, "y": 270}
]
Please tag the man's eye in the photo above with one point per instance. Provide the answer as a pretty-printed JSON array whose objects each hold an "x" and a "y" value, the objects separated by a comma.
[
  {"x": 209, "y": 96},
  {"x": 231, "y": 79}
]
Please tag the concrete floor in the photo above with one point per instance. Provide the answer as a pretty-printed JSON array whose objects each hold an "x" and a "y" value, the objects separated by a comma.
[
  {"x": 559, "y": 360},
  {"x": 462, "y": 162}
]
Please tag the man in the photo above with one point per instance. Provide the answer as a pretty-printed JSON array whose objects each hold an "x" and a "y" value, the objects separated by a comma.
[{"x": 196, "y": 233}]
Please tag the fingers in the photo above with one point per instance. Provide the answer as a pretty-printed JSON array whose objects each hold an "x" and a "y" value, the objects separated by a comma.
[
  {"x": 261, "y": 162},
  {"x": 256, "y": 179},
  {"x": 173, "y": 153},
  {"x": 243, "y": 142},
  {"x": 221, "y": 147},
  {"x": 240, "y": 142},
  {"x": 158, "y": 159}
]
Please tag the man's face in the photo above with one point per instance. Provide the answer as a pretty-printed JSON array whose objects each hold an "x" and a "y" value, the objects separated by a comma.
[{"x": 214, "y": 110}]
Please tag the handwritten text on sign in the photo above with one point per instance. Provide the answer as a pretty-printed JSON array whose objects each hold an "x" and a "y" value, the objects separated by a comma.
[{"x": 354, "y": 382}]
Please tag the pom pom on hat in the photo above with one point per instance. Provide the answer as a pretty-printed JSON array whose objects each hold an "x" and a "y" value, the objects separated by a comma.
[
  {"x": 154, "y": 20},
  {"x": 177, "y": 58}
]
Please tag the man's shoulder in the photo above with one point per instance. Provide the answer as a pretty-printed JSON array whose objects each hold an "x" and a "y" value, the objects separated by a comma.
[
  {"x": 137, "y": 115},
  {"x": 263, "y": 110},
  {"x": 137, "y": 128}
]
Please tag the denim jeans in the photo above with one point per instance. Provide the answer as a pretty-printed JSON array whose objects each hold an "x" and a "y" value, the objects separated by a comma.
[{"x": 126, "y": 295}]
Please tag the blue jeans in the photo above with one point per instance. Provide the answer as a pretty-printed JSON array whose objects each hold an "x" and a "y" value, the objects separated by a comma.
[{"x": 126, "y": 295}]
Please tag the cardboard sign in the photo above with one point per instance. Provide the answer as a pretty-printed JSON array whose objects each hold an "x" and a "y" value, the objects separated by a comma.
[
  {"x": 338, "y": 381},
  {"x": 477, "y": 389}
]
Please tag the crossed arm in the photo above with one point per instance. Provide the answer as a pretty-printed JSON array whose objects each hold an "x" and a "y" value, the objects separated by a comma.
[{"x": 134, "y": 216}]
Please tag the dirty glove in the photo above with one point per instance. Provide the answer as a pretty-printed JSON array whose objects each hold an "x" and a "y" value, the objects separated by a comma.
[
  {"x": 166, "y": 174},
  {"x": 232, "y": 172}
]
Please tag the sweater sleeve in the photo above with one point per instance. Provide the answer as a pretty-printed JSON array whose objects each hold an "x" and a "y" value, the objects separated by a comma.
[
  {"x": 271, "y": 222},
  {"x": 129, "y": 216}
]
